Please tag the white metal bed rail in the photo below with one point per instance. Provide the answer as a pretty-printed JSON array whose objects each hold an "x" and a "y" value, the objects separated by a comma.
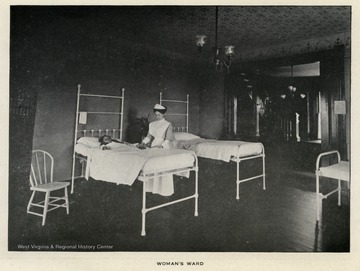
[
  {"x": 114, "y": 133},
  {"x": 174, "y": 114},
  {"x": 178, "y": 129},
  {"x": 93, "y": 131}
]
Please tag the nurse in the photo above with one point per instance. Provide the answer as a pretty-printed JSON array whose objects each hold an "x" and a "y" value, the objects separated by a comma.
[
  {"x": 159, "y": 136},
  {"x": 160, "y": 131}
]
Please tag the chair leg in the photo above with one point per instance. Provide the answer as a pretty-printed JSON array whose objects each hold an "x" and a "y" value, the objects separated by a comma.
[
  {"x": 339, "y": 192},
  {"x": 66, "y": 200},
  {"x": 30, "y": 201},
  {"x": 46, "y": 205}
]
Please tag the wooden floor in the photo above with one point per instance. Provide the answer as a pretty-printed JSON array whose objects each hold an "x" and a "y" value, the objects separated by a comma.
[{"x": 279, "y": 219}]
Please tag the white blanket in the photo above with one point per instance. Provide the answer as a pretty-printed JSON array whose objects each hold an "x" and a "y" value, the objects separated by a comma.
[
  {"x": 220, "y": 150},
  {"x": 123, "y": 164}
]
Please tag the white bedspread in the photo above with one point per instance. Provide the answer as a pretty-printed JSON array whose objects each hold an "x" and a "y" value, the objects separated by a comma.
[
  {"x": 123, "y": 164},
  {"x": 218, "y": 149}
]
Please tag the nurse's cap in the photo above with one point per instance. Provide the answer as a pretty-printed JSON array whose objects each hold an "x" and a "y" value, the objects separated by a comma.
[{"x": 161, "y": 108}]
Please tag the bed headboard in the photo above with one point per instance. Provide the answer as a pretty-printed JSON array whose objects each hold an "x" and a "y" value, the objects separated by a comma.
[
  {"x": 82, "y": 114},
  {"x": 178, "y": 128}
]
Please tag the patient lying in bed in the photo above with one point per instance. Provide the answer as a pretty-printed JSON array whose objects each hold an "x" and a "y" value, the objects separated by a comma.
[{"x": 106, "y": 142}]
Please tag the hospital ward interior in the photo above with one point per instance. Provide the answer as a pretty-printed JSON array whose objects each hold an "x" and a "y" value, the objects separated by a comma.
[{"x": 258, "y": 101}]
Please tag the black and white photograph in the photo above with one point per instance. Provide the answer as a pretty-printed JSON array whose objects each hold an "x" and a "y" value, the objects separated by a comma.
[{"x": 180, "y": 129}]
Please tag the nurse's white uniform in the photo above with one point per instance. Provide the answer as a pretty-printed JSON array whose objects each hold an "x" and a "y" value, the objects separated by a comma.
[{"x": 160, "y": 132}]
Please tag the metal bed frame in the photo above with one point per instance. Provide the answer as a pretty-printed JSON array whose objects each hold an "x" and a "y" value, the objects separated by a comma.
[
  {"x": 340, "y": 170},
  {"x": 237, "y": 159},
  {"x": 94, "y": 132},
  {"x": 144, "y": 177},
  {"x": 186, "y": 102}
]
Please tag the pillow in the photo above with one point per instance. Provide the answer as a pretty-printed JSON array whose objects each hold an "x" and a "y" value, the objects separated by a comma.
[
  {"x": 91, "y": 142},
  {"x": 184, "y": 136}
]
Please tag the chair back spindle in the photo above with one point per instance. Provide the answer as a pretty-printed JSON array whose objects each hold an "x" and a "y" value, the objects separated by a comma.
[{"x": 42, "y": 165}]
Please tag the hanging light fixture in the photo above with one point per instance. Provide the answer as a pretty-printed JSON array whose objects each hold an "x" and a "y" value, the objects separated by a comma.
[
  {"x": 229, "y": 49},
  {"x": 291, "y": 87},
  {"x": 229, "y": 52},
  {"x": 200, "y": 41},
  {"x": 216, "y": 49}
]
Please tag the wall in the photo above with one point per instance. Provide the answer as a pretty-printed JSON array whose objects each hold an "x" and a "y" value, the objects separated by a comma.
[
  {"x": 52, "y": 55},
  {"x": 333, "y": 126},
  {"x": 347, "y": 96},
  {"x": 212, "y": 115},
  {"x": 21, "y": 128}
]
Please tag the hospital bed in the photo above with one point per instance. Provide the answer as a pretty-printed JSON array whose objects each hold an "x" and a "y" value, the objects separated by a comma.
[
  {"x": 123, "y": 163},
  {"x": 339, "y": 170},
  {"x": 235, "y": 151}
]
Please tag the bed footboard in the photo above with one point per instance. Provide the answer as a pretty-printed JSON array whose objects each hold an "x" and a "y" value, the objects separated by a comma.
[
  {"x": 146, "y": 177},
  {"x": 238, "y": 159}
]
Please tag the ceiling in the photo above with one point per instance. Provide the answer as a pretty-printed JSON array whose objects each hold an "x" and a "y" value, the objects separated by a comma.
[{"x": 175, "y": 28}]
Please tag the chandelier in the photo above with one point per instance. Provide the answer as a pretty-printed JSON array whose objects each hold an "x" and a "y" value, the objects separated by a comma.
[
  {"x": 292, "y": 87},
  {"x": 229, "y": 49}
]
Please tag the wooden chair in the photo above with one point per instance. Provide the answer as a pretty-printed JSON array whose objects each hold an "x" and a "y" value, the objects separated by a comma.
[
  {"x": 41, "y": 180},
  {"x": 339, "y": 170}
]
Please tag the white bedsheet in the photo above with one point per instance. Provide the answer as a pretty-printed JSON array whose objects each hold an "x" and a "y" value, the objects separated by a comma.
[
  {"x": 86, "y": 150},
  {"x": 83, "y": 149},
  {"x": 218, "y": 149},
  {"x": 123, "y": 164}
]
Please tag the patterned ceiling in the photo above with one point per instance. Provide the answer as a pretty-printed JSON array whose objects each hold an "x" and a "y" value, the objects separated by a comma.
[{"x": 175, "y": 28}]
